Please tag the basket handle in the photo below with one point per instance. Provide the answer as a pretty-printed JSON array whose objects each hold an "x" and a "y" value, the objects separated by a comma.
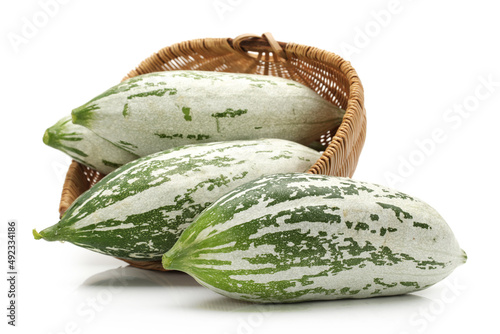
[{"x": 265, "y": 43}]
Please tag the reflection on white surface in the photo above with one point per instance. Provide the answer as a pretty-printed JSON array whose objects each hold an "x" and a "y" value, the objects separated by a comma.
[
  {"x": 224, "y": 304},
  {"x": 106, "y": 297},
  {"x": 135, "y": 277}
]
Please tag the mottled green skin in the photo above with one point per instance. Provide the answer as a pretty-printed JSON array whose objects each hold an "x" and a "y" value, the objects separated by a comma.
[
  {"x": 139, "y": 211},
  {"x": 158, "y": 111},
  {"x": 245, "y": 245}
]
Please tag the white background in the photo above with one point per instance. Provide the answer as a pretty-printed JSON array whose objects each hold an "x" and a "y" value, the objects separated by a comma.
[{"x": 420, "y": 63}]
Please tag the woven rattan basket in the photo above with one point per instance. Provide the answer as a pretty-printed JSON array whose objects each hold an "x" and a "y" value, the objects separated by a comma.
[{"x": 328, "y": 74}]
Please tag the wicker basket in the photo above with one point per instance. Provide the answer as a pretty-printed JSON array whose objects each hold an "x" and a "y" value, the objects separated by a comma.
[{"x": 326, "y": 73}]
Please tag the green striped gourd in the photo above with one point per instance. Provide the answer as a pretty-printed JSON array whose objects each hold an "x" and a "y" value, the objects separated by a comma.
[
  {"x": 157, "y": 111},
  {"x": 298, "y": 237},
  {"x": 138, "y": 211},
  {"x": 84, "y": 146}
]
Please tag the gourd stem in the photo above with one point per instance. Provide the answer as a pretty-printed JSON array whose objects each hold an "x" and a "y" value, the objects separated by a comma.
[{"x": 37, "y": 235}]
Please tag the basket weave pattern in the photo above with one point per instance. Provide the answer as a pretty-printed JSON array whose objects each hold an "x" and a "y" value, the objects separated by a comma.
[{"x": 326, "y": 73}]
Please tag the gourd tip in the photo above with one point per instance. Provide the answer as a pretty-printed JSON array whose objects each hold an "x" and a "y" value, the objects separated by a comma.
[
  {"x": 74, "y": 118},
  {"x": 37, "y": 235},
  {"x": 166, "y": 261},
  {"x": 46, "y": 137}
]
